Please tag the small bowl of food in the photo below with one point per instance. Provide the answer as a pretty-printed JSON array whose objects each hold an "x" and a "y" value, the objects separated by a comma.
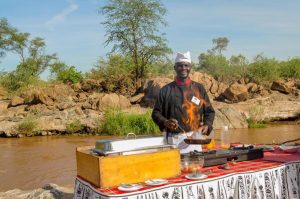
[{"x": 192, "y": 164}]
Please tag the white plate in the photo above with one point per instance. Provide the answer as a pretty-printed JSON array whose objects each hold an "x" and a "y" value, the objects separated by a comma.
[
  {"x": 289, "y": 149},
  {"x": 132, "y": 188},
  {"x": 156, "y": 182},
  {"x": 199, "y": 177}
]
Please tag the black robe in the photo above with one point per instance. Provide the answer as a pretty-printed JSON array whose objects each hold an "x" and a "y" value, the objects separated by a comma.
[{"x": 175, "y": 100}]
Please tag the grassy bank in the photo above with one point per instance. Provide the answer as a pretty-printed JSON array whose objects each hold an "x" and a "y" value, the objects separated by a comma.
[{"x": 120, "y": 123}]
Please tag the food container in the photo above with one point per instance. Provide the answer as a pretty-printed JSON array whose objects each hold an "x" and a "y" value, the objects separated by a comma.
[
  {"x": 130, "y": 146},
  {"x": 191, "y": 164},
  {"x": 114, "y": 162}
]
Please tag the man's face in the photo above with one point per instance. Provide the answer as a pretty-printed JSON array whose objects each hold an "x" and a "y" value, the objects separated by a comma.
[{"x": 182, "y": 69}]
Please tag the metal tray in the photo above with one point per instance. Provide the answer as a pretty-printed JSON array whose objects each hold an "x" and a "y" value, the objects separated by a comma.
[
  {"x": 133, "y": 151},
  {"x": 130, "y": 146}
]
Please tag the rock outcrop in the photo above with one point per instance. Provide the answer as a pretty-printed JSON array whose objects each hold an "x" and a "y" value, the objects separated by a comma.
[
  {"x": 49, "y": 191},
  {"x": 53, "y": 108},
  {"x": 236, "y": 93}
]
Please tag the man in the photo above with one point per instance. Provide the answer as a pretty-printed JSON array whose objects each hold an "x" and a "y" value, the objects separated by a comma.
[{"x": 183, "y": 105}]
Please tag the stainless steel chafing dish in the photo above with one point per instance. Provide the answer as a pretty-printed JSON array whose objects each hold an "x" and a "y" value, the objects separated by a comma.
[{"x": 130, "y": 146}]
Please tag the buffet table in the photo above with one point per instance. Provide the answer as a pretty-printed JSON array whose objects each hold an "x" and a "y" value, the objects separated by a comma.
[{"x": 277, "y": 175}]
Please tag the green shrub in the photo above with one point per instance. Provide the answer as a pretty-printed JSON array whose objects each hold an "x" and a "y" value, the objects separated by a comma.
[
  {"x": 255, "y": 119},
  {"x": 161, "y": 68},
  {"x": 74, "y": 126},
  {"x": 290, "y": 69},
  {"x": 27, "y": 126},
  {"x": 69, "y": 75},
  {"x": 214, "y": 64},
  {"x": 120, "y": 123},
  {"x": 115, "y": 73},
  {"x": 16, "y": 83},
  {"x": 61, "y": 72},
  {"x": 255, "y": 124},
  {"x": 263, "y": 70}
]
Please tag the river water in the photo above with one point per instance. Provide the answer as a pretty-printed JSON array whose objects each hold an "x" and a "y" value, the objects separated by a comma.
[{"x": 32, "y": 162}]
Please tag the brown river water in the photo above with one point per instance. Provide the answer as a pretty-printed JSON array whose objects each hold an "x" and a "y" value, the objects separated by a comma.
[{"x": 32, "y": 162}]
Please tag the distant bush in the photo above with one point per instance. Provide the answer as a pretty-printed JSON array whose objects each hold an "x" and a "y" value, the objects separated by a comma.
[
  {"x": 115, "y": 73},
  {"x": 264, "y": 70},
  {"x": 74, "y": 126},
  {"x": 161, "y": 68},
  {"x": 16, "y": 83},
  {"x": 120, "y": 123},
  {"x": 214, "y": 64},
  {"x": 70, "y": 75},
  {"x": 290, "y": 69},
  {"x": 67, "y": 74},
  {"x": 221, "y": 68},
  {"x": 27, "y": 126}
]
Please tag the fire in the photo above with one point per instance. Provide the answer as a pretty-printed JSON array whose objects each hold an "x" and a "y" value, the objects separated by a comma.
[{"x": 192, "y": 117}]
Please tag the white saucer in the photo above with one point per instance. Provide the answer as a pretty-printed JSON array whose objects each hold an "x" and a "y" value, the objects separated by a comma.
[
  {"x": 156, "y": 182},
  {"x": 198, "y": 177},
  {"x": 131, "y": 188}
]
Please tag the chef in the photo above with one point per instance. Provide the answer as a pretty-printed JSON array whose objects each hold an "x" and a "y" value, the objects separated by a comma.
[{"x": 183, "y": 109}]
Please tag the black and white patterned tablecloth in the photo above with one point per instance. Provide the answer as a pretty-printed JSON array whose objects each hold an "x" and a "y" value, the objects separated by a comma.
[{"x": 280, "y": 182}]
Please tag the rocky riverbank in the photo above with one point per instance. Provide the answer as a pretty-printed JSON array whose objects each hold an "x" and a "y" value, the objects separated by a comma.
[
  {"x": 54, "y": 108},
  {"x": 49, "y": 191}
]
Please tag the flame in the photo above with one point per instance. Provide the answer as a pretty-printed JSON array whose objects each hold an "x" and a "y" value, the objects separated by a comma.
[{"x": 192, "y": 117}]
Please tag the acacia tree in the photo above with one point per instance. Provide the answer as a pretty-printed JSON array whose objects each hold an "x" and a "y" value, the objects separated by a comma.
[
  {"x": 221, "y": 44},
  {"x": 5, "y": 36},
  {"x": 133, "y": 28},
  {"x": 33, "y": 59}
]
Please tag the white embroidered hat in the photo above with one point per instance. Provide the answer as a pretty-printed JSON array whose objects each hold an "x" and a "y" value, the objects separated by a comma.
[{"x": 183, "y": 57}]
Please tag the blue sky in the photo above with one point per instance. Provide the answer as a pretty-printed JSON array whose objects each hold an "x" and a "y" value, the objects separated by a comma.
[{"x": 72, "y": 29}]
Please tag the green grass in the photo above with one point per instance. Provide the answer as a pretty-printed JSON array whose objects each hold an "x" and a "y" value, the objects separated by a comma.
[
  {"x": 119, "y": 123},
  {"x": 256, "y": 124},
  {"x": 27, "y": 126},
  {"x": 74, "y": 126}
]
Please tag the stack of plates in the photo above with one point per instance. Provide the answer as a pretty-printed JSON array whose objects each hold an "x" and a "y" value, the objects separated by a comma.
[
  {"x": 289, "y": 149},
  {"x": 130, "y": 187},
  {"x": 156, "y": 182},
  {"x": 196, "y": 176}
]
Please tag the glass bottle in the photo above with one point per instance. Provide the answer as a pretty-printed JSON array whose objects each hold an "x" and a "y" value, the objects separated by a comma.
[{"x": 225, "y": 142}]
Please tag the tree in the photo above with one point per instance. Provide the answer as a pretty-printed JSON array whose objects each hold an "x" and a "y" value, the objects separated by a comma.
[
  {"x": 221, "y": 44},
  {"x": 133, "y": 27},
  {"x": 33, "y": 59},
  {"x": 214, "y": 64},
  {"x": 5, "y": 36}
]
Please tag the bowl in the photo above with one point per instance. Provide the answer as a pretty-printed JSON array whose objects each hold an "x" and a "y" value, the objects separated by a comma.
[{"x": 192, "y": 164}]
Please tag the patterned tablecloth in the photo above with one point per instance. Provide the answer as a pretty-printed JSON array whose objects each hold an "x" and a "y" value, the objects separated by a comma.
[{"x": 261, "y": 178}]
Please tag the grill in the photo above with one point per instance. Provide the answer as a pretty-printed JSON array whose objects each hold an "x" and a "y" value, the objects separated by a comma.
[{"x": 222, "y": 156}]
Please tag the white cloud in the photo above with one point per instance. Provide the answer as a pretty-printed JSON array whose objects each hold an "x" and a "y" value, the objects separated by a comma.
[{"x": 61, "y": 16}]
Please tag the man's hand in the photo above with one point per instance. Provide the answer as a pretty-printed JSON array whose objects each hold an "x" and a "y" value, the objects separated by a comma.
[
  {"x": 203, "y": 129},
  {"x": 171, "y": 124}
]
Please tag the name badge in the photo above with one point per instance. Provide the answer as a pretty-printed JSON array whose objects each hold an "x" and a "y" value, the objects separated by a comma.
[{"x": 195, "y": 100}]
